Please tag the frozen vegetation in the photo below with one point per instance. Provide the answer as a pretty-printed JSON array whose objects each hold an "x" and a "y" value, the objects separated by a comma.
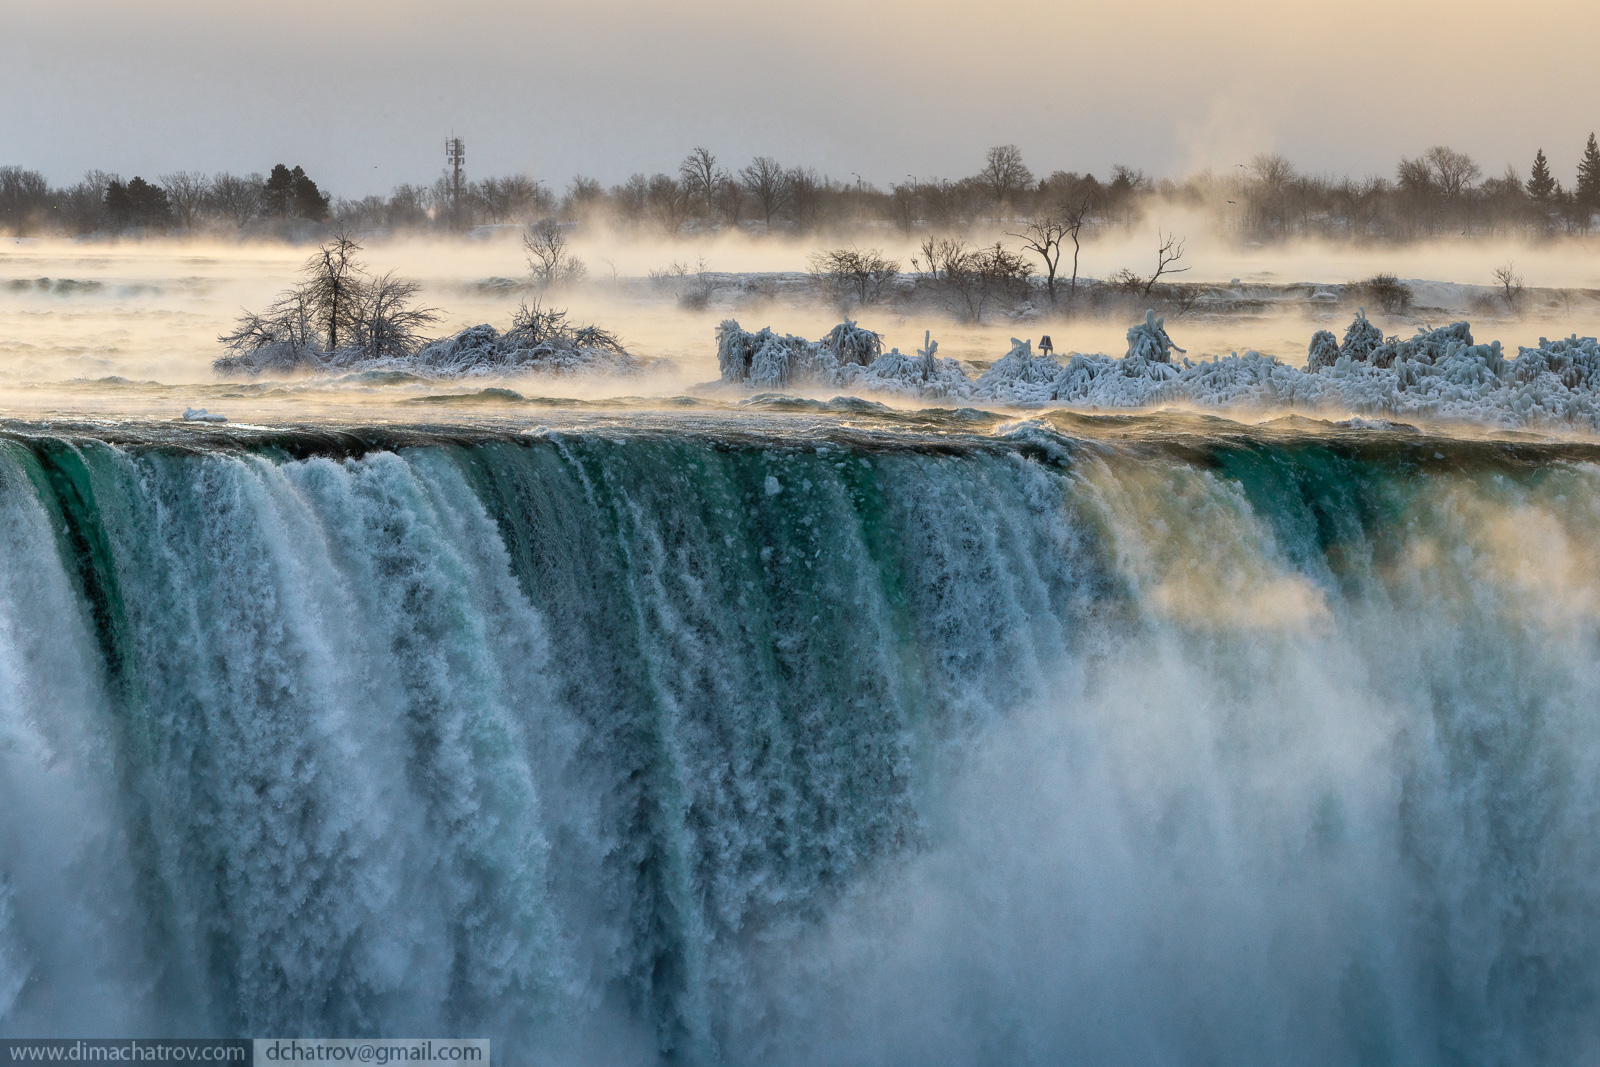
[
  {"x": 1440, "y": 373},
  {"x": 340, "y": 318},
  {"x": 540, "y": 341}
]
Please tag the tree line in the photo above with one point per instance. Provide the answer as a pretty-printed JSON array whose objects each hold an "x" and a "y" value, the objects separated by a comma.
[{"x": 1441, "y": 192}]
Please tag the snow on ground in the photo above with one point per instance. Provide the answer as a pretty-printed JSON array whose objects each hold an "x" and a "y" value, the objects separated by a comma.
[{"x": 1438, "y": 374}]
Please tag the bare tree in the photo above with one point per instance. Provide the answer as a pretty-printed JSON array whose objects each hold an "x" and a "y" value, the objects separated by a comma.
[
  {"x": 1510, "y": 283},
  {"x": 371, "y": 319},
  {"x": 1269, "y": 193},
  {"x": 1042, "y": 235},
  {"x": 941, "y": 256},
  {"x": 1074, "y": 219},
  {"x": 669, "y": 202},
  {"x": 238, "y": 199},
  {"x": 764, "y": 180},
  {"x": 187, "y": 191},
  {"x": 1168, "y": 252},
  {"x": 699, "y": 174},
  {"x": 853, "y": 276},
  {"x": 508, "y": 199},
  {"x": 968, "y": 280},
  {"x": 727, "y": 198},
  {"x": 333, "y": 281},
  {"x": 385, "y": 322},
  {"x": 1004, "y": 175},
  {"x": 584, "y": 196},
  {"x": 550, "y": 258},
  {"x": 1453, "y": 172},
  {"x": 903, "y": 200},
  {"x": 803, "y": 196}
]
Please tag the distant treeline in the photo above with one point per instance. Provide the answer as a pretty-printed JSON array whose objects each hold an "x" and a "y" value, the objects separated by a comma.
[{"x": 1442, "y": 192}]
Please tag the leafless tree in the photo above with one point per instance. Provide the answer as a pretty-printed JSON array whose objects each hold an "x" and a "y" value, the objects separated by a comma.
[
  {"x": 669, "y": 201},
  {"x": 385, "y": 322},
  {"x": 1168, "y": 251},
  {"x": 853, "y": 276},
  {"x": 336, "y": 305},
  {"x": 727, "y": 198},
  {"x": 516, "y": 198},
  {"x": 1510, "y": 283},
  {"x": 764, "y": 180},
  {"x": 407, "y": 206},
  {"x": 1452, "y": 172},
  {"x": 332, "y": 286},
  {"x": 631, "y": 200},
  {"x": 803, "y": 196},
  {"x": 1042, "y": 235},
  {"x": 1074, "y": 218},
  {"x": 550, "y": 257},
  {"x": 699, "y": 174},
  {"x": 967, "y": 280},
  {"x": 583, "y": 198},
  {"x": 1270, "y": 192},
  {"x": 239, "y": 199},
  {"x": 24, "y": 199},
  {"x": 936, "y": 255},
  {"x": 187, "y": 191},
  {"x": 903, "y": 199},
  {"x": 1004, "y": 175}
]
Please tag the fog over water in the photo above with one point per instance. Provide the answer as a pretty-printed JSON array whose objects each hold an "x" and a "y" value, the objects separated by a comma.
[{"x": 132, "y": 326}]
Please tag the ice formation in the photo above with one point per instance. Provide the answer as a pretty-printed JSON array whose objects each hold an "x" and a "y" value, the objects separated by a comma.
[
  {"x": 1440, "y": 373},
  {"x": 539, "y": 341}
]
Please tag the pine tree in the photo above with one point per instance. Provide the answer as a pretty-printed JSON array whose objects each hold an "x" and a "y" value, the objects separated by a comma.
[
  {"x": 118, "y": 207},
  {"x": 1587, "y": 191},
  {"x": 1540, "y": 184},
  {"x": 277, "y": 193},
  {"x": 309, "y": 201},
  {"x": 149, "y": 203},
  {"x": 138, "y": 203}
]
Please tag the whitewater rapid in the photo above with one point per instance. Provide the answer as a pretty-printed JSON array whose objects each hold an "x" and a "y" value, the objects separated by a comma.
[{"x": 631, "y": 746}]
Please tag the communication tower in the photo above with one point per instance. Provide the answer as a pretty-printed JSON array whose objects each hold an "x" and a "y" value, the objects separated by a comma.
[{"x": 455, "y": 153}]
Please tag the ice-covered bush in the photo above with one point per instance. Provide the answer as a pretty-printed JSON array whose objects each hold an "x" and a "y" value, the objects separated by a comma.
[
  {"x": 1362, "y": 339},
  {"x": 1323, "y": 351},
  {"x": 1436, "y": 374},
  {"x": 1149, "y": 340},
  {"x": 771, "y": 361},
  {"x": 539, "y": 340}
]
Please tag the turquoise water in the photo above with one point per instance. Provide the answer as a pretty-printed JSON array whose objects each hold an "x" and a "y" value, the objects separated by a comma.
[{"x": 803, "y": 736}]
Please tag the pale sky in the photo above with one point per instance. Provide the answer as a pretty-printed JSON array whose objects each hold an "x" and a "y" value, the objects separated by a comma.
[{"x": 362, "y": 93}]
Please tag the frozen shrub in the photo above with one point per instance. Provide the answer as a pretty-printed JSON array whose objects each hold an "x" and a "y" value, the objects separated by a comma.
[
  {"x": 1324, "y": 350},
  {"x": 1149, "y": 340},
  {"x": 1362, "y": 339},
  {"x": 1385, "y": 291}
]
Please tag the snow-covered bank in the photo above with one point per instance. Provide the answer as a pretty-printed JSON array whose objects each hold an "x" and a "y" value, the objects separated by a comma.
[{"x": 1437, "y": 374}]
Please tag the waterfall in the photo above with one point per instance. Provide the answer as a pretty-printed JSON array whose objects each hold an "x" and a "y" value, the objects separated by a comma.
[{"x": 675, "y": 747}]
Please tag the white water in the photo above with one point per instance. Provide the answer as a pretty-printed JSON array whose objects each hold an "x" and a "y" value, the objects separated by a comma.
[{"x": 602, "y": 748}]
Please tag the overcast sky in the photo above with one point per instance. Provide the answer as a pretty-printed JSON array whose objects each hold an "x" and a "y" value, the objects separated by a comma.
[{"x": 363, "y": 92}]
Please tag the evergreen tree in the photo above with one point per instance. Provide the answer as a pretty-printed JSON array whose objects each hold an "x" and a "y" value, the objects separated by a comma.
[
  {"x": 118, "y": 208},
  {"x": 292, "y": 194},
  {"x": 137, "y": 203},
  {"x": 309, "y": 202},
  {"x": 1540, "y": 184},
  {"x": 1587, "y": 191},
  {"x": 277, "y": 192}
]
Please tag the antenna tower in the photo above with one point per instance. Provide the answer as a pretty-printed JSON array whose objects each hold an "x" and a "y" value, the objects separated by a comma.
[{"x": 455, "y": 153}]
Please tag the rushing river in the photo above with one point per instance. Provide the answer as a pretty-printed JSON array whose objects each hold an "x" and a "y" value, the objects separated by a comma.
[{"x": 794, "y": 737}]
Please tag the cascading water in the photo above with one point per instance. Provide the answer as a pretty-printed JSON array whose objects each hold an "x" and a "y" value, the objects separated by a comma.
[{"x": 665, "y": 746}]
